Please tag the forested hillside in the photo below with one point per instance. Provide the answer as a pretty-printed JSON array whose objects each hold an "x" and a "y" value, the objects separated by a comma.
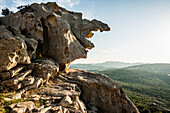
[
  {"x": 149, "y": 91},
  {"x": 158, "y": 67}
]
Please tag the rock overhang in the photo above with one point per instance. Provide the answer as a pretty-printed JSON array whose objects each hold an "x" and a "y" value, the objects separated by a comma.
[{"x": 54, "y": 32}]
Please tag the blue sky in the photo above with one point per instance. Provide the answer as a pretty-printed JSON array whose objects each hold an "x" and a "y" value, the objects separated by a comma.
[{"x": 140, "y": 29}]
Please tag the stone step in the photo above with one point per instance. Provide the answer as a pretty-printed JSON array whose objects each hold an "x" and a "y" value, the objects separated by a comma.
[
  {"x": 11, "y": 73},
  {"x": 18, "y": 78},
  {"x": 15, "y": 71},
  {"x": 26, "y": 82},
  {"x": 55, "y": 92}
]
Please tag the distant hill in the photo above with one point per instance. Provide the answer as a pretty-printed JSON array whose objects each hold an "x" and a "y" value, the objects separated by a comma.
[
  {"x": 139, "y": 77},
  {"x": 103, "y": 66},
  {"x": 88, "y": 67},
  {"x": 116, "y": 64},
  {"x": 156, "y": 68}
]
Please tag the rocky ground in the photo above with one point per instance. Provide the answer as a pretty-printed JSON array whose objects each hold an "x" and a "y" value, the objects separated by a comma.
[
  {"x": 37, "y": 44},
  {"x": 74, "y": 91}
]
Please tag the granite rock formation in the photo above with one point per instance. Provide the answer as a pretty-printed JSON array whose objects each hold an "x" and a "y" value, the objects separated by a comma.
[
  {"x": 53, "y": 32},
  {"x": 37, "y": 44}
]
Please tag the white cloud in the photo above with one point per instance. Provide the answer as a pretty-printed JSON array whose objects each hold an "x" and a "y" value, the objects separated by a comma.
[
  {"x": 109, "y": 51},
  {"x": 88, "y": 14},
  {"x": 64, "y": 3},
  {"x": 68, "y": 3},
  {"x": 2, "y": 4},
  {"x": 15, "y": 3}
]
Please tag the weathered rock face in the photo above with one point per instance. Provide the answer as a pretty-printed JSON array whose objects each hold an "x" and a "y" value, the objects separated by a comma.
[
  {"x": 61, "y": 34},
  {"x": 37, "y": 44},
  {"x": 13, "y": 50}
]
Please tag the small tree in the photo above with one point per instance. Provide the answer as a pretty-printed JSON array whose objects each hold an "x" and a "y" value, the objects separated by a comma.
[{"x": 6, "y": 11}]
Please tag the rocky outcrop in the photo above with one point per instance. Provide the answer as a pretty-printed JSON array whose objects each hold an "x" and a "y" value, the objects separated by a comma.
[
  {"x": 53, "y": 32},
  {"x": 81, "y": 91},
  {"x": 37, "y": 44}
]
